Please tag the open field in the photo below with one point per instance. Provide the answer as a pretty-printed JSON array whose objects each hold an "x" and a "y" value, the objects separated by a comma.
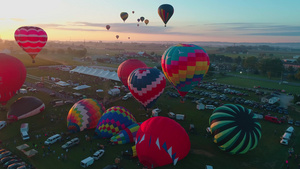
[{"x": 268, "y": 154}]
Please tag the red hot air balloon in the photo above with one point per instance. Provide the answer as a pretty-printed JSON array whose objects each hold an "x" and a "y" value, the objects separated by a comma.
[
  {"x": 161, "y": 141},
  {"x": 127, "y": 67},
  {"x": 31, "y": 39},
  {"x": 12, "y": 77},
  {"x": 107, "y": 27}
]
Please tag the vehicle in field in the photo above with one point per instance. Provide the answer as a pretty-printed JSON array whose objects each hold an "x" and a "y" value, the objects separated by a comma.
[
  {"x": 98, "y": 154},
  {"x": 70, "y": 143},
  {"x": 52, "y": 139}
]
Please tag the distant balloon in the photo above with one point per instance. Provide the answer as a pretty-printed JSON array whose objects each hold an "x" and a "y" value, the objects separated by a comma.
[
  {"x": 235, "y": 129},
  {"x": 25, "y": 107},
  {"x": 161, "y": 141},
  {"x": 114, "y": 120},
  {"x": 117, "y": 36},
  {"x": 185, "y": 65},
  {"x": 12, "y": 77},
  {"x": 126, "y": 67},
  {"x": 133, "y": 12},
  {"x": 138, "y": 20},
  {"x": 84, "y": 114},
  {"x": 107, "y": 27},
  {"x": 128, "y": 37},
  {"x": 146, "y": 85},
  {"x": 142, "y": 19},
  {"x": 138, "y": 25},
  {"x": 31, "y": 39},
  {"x": 146, "y": 21},
  {"x": 124, "y": 16},
  {"x": 165, "y": 12}
]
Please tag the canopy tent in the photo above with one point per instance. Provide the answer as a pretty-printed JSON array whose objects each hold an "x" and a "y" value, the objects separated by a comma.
[
  {"x": 112, "y": 75},
  {"x": 81, "y": 87},
  {"x": 30, "y": 153},
  {"x": 22, "y": 147},
  {"x": 62, "y": 83}
]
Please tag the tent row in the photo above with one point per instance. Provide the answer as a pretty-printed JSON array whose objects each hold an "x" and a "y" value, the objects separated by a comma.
[{"x": 96, "y": 72}]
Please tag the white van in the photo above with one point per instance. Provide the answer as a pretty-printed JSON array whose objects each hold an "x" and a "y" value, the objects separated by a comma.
[
  {"x": 24, "y": 131},
  {"x": 180, "y": 116},
  {"x": 290, "y": 130},
  {"x": 53, "y": 139},
  {"x": 87, "y": 162},
  {"x": 2, "y": 124},
  {"x": 98, "y": 154},
  {"x": 286, "y": 136}
]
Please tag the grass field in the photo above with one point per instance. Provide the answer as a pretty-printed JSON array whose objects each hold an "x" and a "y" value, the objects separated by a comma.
[{"x": 268, "y": 154}]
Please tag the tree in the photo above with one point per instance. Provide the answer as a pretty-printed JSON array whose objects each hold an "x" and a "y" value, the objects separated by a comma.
[
  {"x": 250, "y": 62},
  {"x": 291, "y": 69},
  {"x": 297, "y": 75},
  {"x": 298, "y": 60},
  {"x": 271, "y": 67},
  {"x": 238, "y": 60}
]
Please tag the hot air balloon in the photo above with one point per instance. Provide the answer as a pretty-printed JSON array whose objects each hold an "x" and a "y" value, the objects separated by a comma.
[
  {"x": 142, "y": 19},
  {"x": 84, "y": 114},
  {"x": 117, "y": 36},
  {"x": 161, "y": 141},
  {"x": 138, "y": 25},
  {"x": 128, "y": 37},
  {"x": 31, "y": 39},
  {"x": 25, "y": 107},
  {"x": 146, "y": 21},
  {"x": 126, "y": 67},
  {"x": 12, "y": 77},
  {"x": 138, "y": 20},
  {"x": 185, "y": 65},
  {"x": 165, "y": 12},
  {"x": 114, "y": 120},
  {"x": 124, "y": 16},
  {"x": 126, "y": 136},
  {"x": 235, "y": 129},
  {"x": 132, "y": 12},
  {"x": 107, "y": 27},
  {"x": 146, "y": 85}
]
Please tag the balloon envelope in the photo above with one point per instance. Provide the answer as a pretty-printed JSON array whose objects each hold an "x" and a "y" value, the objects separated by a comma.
[
  {"x": 31, "y": 39},
  {"x": 12, "y": 77},
  {"x": 25, "y": 107},
  {"x": 124, "y": 16},
  {"x": 113, "y": 121},
  {"x": 146, "y": 85},
  {"x": 165, "y": 12},
  {"x": 161, "y": 141},
  {"x": 142, "y": 18},
  {"x": 107, "y": 27},
  {"x": 127, "y": 135},
  {"x": 126, "y": 67},
  {"x": 117, "y": 36},
  {"x": 185, "y": 65},
  {"x": 234, "y": 128},
  {"x": 146, "y": 21},
  {"x": 84, "y": 114}
]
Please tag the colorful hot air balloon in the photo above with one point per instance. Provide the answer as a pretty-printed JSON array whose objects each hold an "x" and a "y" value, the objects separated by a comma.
[
  {"x": 107, "y": 27},
  {"x": 142, "y": 18},
  {"x": 124, "y": 16},
  {"x": 84, "y": 114},
  {"x": 146, "y": 21},
  {"x": 114, "y": 120},
  {"x": 126, "y": 67},
  {"x": 146, "y": 85},
  {"x": 12, "y": 77},
  {"x": 161, "y": 141},
  {"x": 25, "y": 107},
  {"x": 235, "y": 129},
  {"x": 31, "y": 39},
  {"x": 117, "y": 36},
  {"x": 138, "y": 20},
  {"x": 184, "y": 66},
  {"x": 165, "y": 12},
  {"x": 126, "y": 136}
]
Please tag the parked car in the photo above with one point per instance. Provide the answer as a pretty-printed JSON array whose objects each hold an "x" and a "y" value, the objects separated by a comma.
[
  {"x": 4, "y": 154},
  {"x": 290, "y": 121},
  {"x": 98, "y": 154},
  {"x": 297, "y": 123},
  {"x": 70, "y": 143},
  {"x": 7, "y": 158},
  {"x": 2, "y": 150},
  {"x": 284, "y": 141},
  {"x": 12, "y": 161},
  {"x": 53, "y": 139},
  {"x": 15, "y": 165}
]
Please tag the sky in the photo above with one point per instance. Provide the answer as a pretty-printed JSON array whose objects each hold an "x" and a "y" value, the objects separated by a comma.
[{"x": 269, "y": 21}]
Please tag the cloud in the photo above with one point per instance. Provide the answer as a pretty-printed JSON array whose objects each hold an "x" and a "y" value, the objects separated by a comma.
[
  {"x": 256, "y": 29},
  {"x": 117, "y": 27},
  {"x": 17, "y": 19}
]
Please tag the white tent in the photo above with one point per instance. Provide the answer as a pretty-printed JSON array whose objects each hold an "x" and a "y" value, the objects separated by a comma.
[
  {"x": 62, "y": 83},
  {"x": 96, "y": 72},
  {"x": 81, "y": 87}
]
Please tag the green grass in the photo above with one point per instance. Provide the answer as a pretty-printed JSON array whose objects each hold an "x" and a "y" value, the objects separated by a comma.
[{"x": 268, "y": 154}]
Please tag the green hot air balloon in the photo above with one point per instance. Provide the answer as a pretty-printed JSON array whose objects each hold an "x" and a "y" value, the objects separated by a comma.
[
  {"x": 234, "y": 128},
  {"x": 165, "y": 12}
]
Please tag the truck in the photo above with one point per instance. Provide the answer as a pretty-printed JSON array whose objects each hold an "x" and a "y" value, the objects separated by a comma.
[
  {"x": 24, "y": 131},
  {"x": 114, "y": 92}
]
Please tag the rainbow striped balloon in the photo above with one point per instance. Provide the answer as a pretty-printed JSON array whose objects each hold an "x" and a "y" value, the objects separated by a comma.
[
  {"x": 114, "y": 120},
  {"x": 127, "y": 135},
  {"x": 84, "y": 114},
  {"x": 185, "y": 65},
  {"x": 31, "y": 39}
]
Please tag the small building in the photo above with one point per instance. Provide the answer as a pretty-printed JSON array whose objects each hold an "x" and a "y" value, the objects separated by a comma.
[{"x": 270, "y": 99}]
